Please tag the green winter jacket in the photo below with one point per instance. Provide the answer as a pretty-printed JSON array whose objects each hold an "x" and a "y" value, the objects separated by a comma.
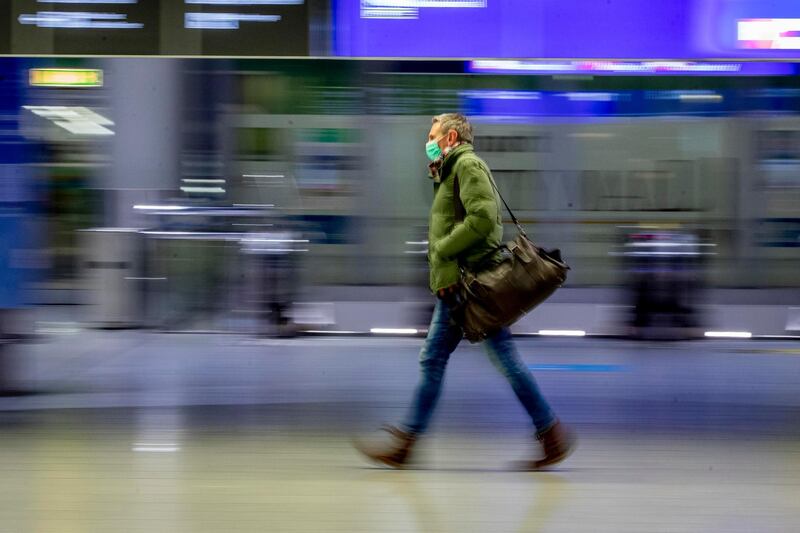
[{"x": 473, "y": 241}]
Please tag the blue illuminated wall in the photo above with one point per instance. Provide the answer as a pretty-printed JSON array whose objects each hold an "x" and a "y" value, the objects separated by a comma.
[
  {"x": 620, "y": 29},
  {"x": 16, "y": 187}
]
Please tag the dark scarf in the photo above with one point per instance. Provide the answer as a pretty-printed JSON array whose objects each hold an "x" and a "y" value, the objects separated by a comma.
[{"x": 435, "y": 170}]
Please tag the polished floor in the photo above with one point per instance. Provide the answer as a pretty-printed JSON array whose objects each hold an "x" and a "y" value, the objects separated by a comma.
[{"x": 130, "y": 432}]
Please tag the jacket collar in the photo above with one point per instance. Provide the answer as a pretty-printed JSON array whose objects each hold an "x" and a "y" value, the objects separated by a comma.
[{"x": 440, "y": 169}]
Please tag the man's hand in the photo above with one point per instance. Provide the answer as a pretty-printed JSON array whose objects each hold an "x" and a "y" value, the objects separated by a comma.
[{"x": 452, "y": 298}]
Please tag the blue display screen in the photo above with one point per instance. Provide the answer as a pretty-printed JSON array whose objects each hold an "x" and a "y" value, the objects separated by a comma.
[{"x": 612, "y": 29}]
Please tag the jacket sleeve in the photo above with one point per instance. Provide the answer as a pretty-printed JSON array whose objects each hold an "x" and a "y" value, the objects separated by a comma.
[{"x": 480, "y": 206}]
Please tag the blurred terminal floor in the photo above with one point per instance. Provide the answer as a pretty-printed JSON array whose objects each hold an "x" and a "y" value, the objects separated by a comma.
[{"x": 135, "y": 431}]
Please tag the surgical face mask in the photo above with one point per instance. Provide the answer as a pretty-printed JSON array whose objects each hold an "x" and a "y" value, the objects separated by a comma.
[{"x": 433, "y": 150}]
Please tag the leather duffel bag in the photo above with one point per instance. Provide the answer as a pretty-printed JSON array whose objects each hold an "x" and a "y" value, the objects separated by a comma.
[{"x": 498, "y": 296}]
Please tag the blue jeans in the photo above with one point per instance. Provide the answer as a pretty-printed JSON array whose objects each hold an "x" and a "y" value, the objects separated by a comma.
[{"x": 443, "y": 337}]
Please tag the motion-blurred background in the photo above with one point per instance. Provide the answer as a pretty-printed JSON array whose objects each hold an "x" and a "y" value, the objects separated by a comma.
[
  {"x": 184, "y": 193},
  {"x": 224, "y": 203},
  {"x": 236, "y": 193}
]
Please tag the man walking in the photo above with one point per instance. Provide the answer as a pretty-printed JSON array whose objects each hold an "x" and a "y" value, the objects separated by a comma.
[{"x": 455, "y": 241}]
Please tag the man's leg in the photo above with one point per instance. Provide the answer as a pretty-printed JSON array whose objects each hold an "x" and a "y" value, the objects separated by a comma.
[
  {"x": 503, "y": 353},
  {"x": 557, "y": 441},
  {"x": 443, "y": 338}
]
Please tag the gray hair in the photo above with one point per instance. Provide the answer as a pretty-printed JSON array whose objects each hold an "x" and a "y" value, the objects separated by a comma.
[{"x": 455, "y": 121}]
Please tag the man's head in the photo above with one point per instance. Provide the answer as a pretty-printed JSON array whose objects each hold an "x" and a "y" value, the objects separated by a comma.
[{"x": 448, "y": 130}]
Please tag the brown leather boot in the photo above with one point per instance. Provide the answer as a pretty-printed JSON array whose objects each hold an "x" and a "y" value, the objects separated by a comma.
[
  {"x": 557, "y": 443},
  {"x": 395, "y": 453}
]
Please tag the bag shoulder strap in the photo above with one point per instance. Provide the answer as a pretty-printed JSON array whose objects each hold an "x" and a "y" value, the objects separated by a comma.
[{"x": 460, "y": 212}]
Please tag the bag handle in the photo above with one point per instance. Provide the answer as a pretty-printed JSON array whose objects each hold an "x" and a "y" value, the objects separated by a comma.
[{"x": 459, "y": 206}]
